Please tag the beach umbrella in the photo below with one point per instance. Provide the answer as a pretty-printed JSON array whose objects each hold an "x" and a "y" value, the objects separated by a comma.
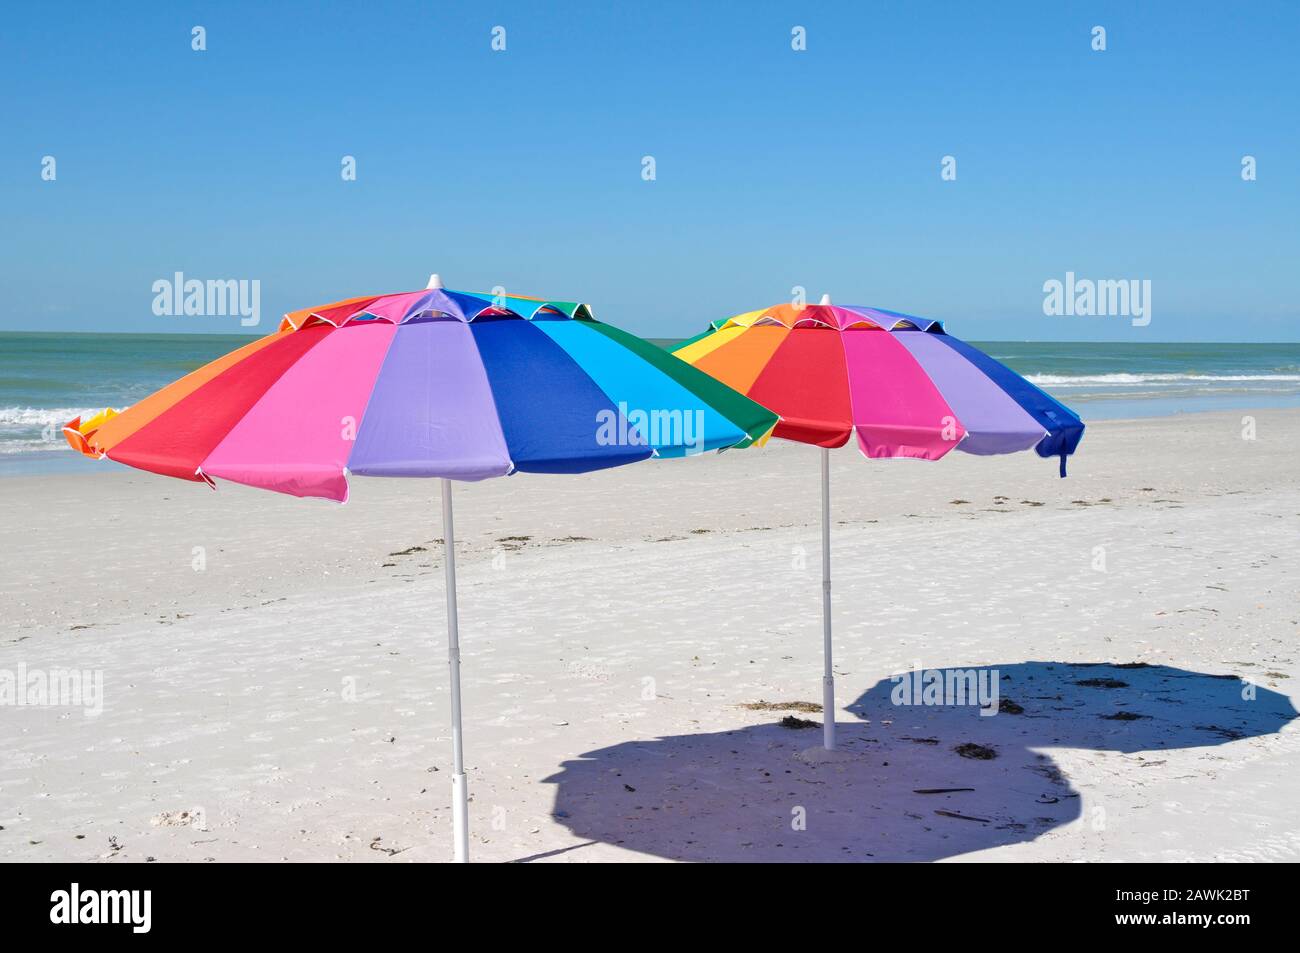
[
  {"x": 431, "y": 383},
  {"x": 900, "y": 384}
]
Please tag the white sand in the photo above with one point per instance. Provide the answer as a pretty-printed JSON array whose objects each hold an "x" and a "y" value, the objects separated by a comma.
[{"x": 292, "y": 695}]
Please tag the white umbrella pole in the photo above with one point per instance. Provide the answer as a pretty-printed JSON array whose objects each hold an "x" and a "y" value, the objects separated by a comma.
[
  {"x": 459, "y": 795},
  {"x": 828, "y": 677}
]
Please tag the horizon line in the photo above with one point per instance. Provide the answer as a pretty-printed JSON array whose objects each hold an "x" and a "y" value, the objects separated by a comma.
[{"x": 238, "y": 334}]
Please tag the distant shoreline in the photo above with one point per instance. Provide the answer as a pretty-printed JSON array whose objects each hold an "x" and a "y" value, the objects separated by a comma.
[
  {"x": 670, "y": 341},
  {"x": 67, "y": 461}
]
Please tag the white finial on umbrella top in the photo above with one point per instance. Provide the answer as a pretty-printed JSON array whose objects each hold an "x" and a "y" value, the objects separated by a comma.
[
  {"x": 826, "y": 301},
  {"x": 435, "y": 283}
]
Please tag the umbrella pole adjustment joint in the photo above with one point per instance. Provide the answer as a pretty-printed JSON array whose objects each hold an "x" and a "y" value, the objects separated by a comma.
[
  {"x": 460, "y": 817},
  {"x": 828, "y": 712}
]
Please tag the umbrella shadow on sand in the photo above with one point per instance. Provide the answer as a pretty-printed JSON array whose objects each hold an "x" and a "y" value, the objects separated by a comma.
[{"x": 886, "y": 793}]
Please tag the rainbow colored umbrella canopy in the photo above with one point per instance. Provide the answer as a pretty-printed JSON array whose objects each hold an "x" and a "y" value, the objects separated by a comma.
[
  {"x": 431, "y": 383},
  {"x": 899, "y": 383}
]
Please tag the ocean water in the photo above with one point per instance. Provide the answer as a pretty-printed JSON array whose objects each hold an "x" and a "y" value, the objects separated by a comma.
[
  {"x": 1101, "y": 381},
  {"x": 47, "y": 379}
]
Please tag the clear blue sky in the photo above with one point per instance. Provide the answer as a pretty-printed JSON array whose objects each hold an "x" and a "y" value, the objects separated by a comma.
[{"x": 775, "y": 168}]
